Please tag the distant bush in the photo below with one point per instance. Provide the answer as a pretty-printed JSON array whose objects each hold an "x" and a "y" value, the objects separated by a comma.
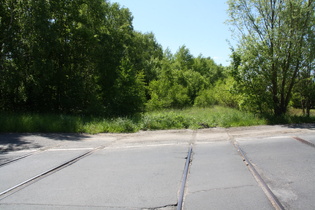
[
  {"x": 164, "y": 96},
  {"x": 206, "y": 98},
  {"x": 221, "y": 94}
]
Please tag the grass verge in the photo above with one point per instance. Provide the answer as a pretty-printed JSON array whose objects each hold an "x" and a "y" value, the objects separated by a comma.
[{"x": 192, "y": 118}]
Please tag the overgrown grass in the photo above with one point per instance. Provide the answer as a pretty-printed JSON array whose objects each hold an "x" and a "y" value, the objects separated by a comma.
[
  {"x": 54, "y": 123},
  {"x": 195, "y": 118},
  {"x": 192, "y": 118},
  {"x": 39, "y": 123}
]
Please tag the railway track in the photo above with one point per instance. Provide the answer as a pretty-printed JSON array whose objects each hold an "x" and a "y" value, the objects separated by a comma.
[
  {"x": 270, "y": 195},
  {"x": 308, "y": 143},
  {"x": 26, "y": 155},
  {"x": 268, "y": 192},
  {"x": 184, "y": 179},
  {"x": 48, "y": 172},
  {"x": 181, "y": 193}
]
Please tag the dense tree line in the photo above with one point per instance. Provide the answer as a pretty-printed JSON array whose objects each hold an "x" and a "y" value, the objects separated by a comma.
[
  {"x": 66, "y": 55},
  {"x": 83, "y": 56},
  {"x": 181, "y": 79}
]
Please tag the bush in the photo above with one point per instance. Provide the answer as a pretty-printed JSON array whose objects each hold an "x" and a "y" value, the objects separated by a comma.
[
  {"x": 206, "y": 98},
  {"x": 165, "y": 120},
  {"x": 221, "y": 94},
  {"x": 167, "y": 96}
]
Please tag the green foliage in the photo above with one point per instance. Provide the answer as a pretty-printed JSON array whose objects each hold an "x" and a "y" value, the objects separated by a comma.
[
  {"x": 274, "y": 48},
  {"x": 193, "y": 118},
  {"x": 189, "y": 118},
  {"x": 116, "y": 125},
  {"x": 183, "y": 60},
  {"x": 206, "y": 98},
  {"x": 128, "y": 92},
  {"x": 165, "y": 120},
  {"x": 221, "y": 93},
  {"x": 182, "y": 77},
  {"x": 70, "y": 57},
  {"x": 165, "y": 95},
  {"x": 146, "y": 55},
  {"x": 222, "y": 117},
  {"x": 13, "y": 122},
  {"x": 304, "y": 90},
  {"x": 84, "y": 57},
  {"x": 208, "y": 69}
]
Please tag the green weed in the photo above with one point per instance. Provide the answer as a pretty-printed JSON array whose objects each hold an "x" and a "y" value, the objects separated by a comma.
[{"x": 189, "y": 118}]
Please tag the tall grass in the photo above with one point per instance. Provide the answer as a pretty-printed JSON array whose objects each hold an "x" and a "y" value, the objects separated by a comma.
[
  {"x": 218, "y": 117},
  {"x": 39, "y": 123},
  {"x": 192, "y": 118},
  {"x": 54, "y": 123}
]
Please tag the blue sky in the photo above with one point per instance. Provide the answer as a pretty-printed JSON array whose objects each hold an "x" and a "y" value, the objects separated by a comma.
[{"x": 197, "y": 24}]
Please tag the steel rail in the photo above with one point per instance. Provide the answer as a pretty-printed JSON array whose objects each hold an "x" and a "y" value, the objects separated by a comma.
[
  {"x": 272, "y": 198},
  {"x": 184, "y": 180},
  {"x": 27, "y": 155},
  {"x": 50, "y": 171},
  {"x": 18, "y": 158},
  {"x": 304, "y": 141}
]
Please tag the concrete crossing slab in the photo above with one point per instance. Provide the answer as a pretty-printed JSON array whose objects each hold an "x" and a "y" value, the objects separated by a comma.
[
  {"x": 145, "y": 177},
  {"x": 144, "y": 170},
  {"x": 14, "y": 173},
  {"x": 219, "y": 179},
  {"x": 287, "y": 166}
]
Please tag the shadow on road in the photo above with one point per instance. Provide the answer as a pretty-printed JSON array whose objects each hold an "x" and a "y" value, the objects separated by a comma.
[
  {"x": 310, "y": 126},
  {"x": 17, "y": 141},
  {"x": 13, "y": 142}
]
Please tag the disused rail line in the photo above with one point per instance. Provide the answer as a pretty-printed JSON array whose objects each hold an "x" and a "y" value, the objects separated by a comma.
[
  {"x": 48, "y": 172},
  {"x": 263, "y": 185},
  {"x": 16, "y": 188},
  {"x": 270, "y": 195},
  {"x": 304, "y": 141},
  {"x": 18, "y": 158},
  {"x": 28, "y": 154},
  {"x": 184, "y": 179}
]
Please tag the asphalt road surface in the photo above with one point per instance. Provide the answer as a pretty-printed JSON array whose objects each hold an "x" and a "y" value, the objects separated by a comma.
[{"x": 263, "y": 167}]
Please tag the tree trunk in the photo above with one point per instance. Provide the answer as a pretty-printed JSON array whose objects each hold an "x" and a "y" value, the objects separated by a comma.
[
  {"x": 280, "y": 110},
  {"x": 308, "y": 108}
]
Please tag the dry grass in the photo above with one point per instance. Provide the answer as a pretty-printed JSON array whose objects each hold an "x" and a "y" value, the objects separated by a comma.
[{"x": 299, "y": 112}]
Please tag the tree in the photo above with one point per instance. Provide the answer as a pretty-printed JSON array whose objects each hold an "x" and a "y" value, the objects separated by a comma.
[
  {"x": 166, "y": 91},
  {"x": 208, "y": 68},
  {"x": 304, "y": 91},
  {"x": 181, "y": 78},
  {"x": 120, "y": 79},
  {"x": 13, "y": 49},
  {"x": 221, "y": 93},
  {"x": 146, "y": 55},
  {"x": 70, "y": 56},
  {"x": 273, "y": 48},
  {"x": 305, "y": 88},
  {"x": 129, "y": 95},
  {"x": 304, "y": 94},
  {"x": 46, "y": 56},
  {"x": 183, "y": 59}
]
